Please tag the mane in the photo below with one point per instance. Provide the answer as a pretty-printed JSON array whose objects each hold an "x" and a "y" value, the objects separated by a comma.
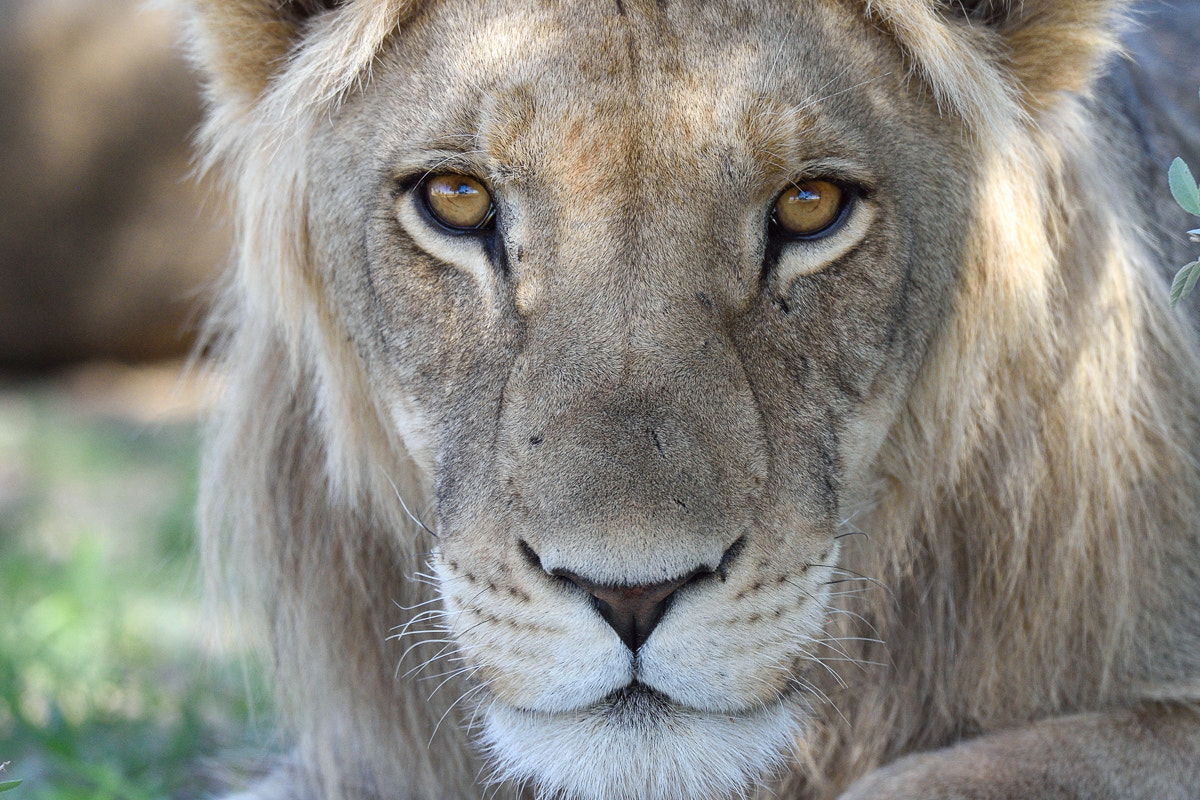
[
  {"x": 1037, "y": 498},
  {"x": 1019, "y": 500},
  {"x": 302, "y": 479}
]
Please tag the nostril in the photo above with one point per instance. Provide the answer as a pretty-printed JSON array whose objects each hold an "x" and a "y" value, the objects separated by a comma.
[
  {"x": 729, "y": 556},
  {"x": 531, "y": 558},
  {"x": 632, "y": 611}
]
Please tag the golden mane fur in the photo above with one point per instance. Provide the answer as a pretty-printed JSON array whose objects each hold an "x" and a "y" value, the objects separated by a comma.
[{"x": 1033, "y": 507}]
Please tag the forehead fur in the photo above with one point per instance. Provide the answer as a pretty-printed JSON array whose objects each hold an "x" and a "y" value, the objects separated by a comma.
[
  {"x": 991, "y": 75},
  {"x": 618, "y": 89}
]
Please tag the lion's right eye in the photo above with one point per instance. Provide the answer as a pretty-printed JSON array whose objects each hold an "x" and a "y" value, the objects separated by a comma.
[{"x": 458, "y": 202}]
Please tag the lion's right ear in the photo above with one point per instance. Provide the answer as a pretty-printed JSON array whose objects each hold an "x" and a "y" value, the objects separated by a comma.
[
  {"x": 309, "y": 53},
  {"x": 240, "y": 44}
]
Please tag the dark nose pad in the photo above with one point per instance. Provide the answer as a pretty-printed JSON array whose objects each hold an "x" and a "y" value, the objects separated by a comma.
[{"x": 632, "y": 611}]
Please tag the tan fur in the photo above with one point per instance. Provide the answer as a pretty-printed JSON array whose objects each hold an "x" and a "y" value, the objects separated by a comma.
[{"x": 1015, "y": 430}]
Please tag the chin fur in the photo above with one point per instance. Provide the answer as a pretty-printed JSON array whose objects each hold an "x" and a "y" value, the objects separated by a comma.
[{"x": 638, "y": 745}]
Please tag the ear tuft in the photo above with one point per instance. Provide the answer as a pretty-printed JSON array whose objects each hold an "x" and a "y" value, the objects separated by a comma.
[
  {"x": 1050, "y": 46},
  {"x": 240, "y": 44},
  {"x": 992, "y": 13},
  {"x": 303, "y": 9}
]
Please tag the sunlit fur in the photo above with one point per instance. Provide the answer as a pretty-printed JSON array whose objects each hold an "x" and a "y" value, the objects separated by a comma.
[{"x": 1033, "y": 508}]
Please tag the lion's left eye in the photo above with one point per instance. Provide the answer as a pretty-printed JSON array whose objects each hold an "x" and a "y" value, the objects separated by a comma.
[
  {"x": 458, "y": 202},
  {"x": 810, "y": 209}
]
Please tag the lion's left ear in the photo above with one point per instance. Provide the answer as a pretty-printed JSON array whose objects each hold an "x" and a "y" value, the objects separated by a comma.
[{"x": 1050, "y": 46}]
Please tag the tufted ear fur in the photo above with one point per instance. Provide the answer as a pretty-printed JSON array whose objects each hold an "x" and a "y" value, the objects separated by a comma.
[
  {"x": 241, "y": 43},
  {"x": 996, "y": 61},
  {"x": 1050, "y": 46}
]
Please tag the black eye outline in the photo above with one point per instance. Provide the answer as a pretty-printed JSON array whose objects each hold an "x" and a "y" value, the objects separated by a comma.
[
  {"x": 850, "y": 196},
  {"x": 486, "y": 225},
  {"x": 413, "y": 189}
]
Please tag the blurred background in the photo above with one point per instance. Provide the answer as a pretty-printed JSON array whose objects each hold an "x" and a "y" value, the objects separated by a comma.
[{"x": 112, "y": 683}]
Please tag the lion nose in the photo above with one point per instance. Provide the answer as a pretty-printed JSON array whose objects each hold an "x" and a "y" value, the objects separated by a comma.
[{"x": 632, "y": 611}]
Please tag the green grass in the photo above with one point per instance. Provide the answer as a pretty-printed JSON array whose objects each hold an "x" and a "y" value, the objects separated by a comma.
[{"x": 108, "y": 684}]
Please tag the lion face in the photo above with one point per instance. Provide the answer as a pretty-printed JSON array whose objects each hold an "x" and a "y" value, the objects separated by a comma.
[{"x": 642, "y": 293}]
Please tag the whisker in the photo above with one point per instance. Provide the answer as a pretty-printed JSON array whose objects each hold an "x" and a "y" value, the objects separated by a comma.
[
  {"x": 863, "y": 663},
  {"x": 427, "y": 662},
  {"x": 449, "y": 708},
  {"x": 404, "y": 505},
  {"x": 856, "y": 576},
  {"x": 424, "y": 615},
  {"x": 866, "y": 639},
  {"x": 448, "y": 646},
  {"x": 836, "y": 677},
  {"x": 451, "y": 675},
  {"x": 416, "y": 606},
  {"x": 815, "y": 690}
]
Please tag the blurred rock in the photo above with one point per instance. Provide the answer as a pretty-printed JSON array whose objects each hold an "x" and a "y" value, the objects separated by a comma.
[{"x": 106, "y": 243}]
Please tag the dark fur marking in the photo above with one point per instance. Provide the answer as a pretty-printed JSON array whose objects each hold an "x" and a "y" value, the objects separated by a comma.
[
  {"x": 657, "y": 442},
  {"x": 305, "y": 9}
]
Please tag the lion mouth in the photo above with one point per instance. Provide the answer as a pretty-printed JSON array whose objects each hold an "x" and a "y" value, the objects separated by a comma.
[
  {"x": 641, "y": 704},
  {"x": 637, "y": 701}
]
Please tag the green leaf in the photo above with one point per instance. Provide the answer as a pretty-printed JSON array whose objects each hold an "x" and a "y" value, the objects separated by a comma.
[
  {"x": 1192, "y": 276},
  {"x": 1185, "y": 281},
  {"x": 1183, "y": 187},
  {"x": 6, "y": 785}
]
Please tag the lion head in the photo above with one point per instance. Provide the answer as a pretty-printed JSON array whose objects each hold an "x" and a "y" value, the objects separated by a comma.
[{"x": 621, "y": 316}]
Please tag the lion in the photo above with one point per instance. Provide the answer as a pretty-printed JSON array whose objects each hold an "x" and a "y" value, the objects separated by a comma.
[{"x": 664, "y": 400}]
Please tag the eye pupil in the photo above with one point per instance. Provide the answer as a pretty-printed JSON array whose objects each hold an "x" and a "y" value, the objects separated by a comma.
[
  {"x": 459, "y": 202},
  {"x": 809, "y": 209}
]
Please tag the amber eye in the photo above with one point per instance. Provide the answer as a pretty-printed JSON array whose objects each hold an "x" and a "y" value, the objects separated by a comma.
[
  {"x": 459, "y": 202},
  {"x": 810, "y": 209}
]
